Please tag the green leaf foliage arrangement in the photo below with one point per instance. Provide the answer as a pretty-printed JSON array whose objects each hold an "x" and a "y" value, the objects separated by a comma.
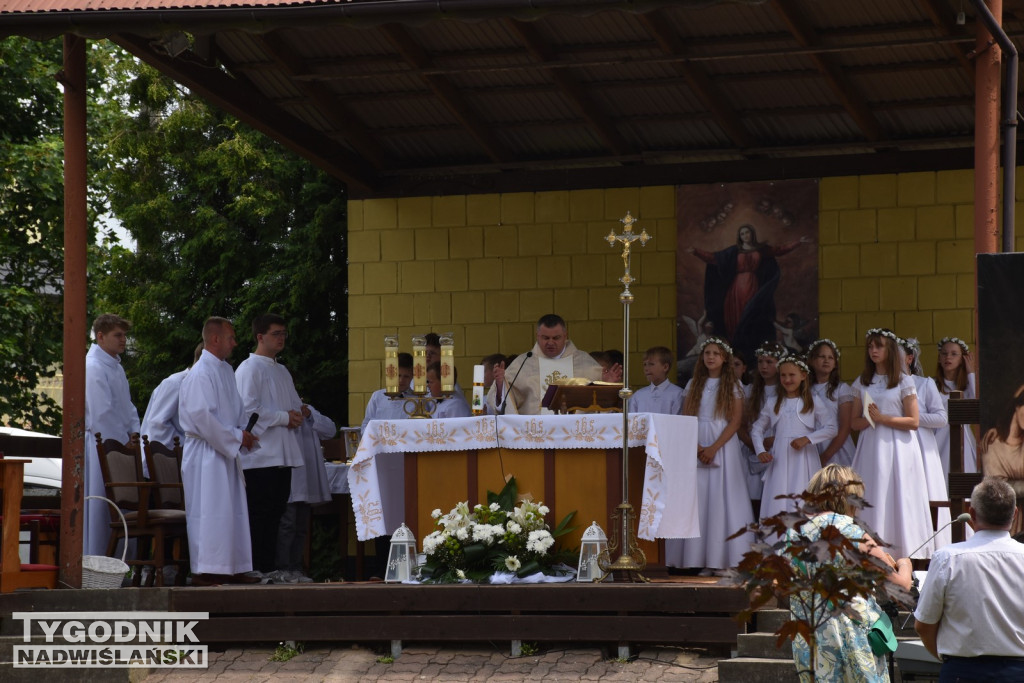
[{"x": 226, "y": 222}]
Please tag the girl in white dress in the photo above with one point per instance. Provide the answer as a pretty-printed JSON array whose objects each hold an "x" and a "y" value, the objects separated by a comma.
[
  {"x": 888, "y": 456},
  {"x": 714, "y": 396},
  {"x": 799, "y": 422},
  {"x": 761, "y": 392},
  {"x": 955, "y": 372},
  {"x": 823, "y": 357},
  {"x": 931, "y": 417}
]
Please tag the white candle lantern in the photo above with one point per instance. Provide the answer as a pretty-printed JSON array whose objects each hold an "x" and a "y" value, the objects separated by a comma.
[
  {"x": 594, "y": 543},
  {"x": 402, "y": 556}
]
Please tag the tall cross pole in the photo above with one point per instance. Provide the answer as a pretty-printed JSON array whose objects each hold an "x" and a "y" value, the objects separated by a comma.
[{"x": 631, "y": 560}]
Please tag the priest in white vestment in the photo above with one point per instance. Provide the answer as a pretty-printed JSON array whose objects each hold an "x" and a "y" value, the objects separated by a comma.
[
  {"x": 553, "y": 357},
  {"x": 109, "y": 412},
  {"x": 211, "y": 414}
]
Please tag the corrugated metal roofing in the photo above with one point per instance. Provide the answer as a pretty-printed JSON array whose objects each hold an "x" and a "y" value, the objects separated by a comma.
[{"x": 449, "y": 87}]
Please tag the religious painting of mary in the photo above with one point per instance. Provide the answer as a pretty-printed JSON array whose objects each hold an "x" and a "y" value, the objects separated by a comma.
[{"x": 747, "y": 266}]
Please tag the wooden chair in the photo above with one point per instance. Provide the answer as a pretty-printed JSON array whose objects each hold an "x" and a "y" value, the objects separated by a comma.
[
  {"x": 13, "y": 574},
  {"x": 121, "y": 465},
  {"x": 169, "y": 494}
]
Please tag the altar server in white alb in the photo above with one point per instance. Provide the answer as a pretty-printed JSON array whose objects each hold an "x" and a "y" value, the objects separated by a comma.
[
  {"x": 553, "y": 357},
  {"x": 310, "y": 486},
  {"x": 452, "y": 406},
  {"x": 210, "y": 411},
  {"x": 160, "y": 423},
  {"x": 660, "y": 396},
  {"x": 380, "y": 406},
  {"x": 267, "y": 390},
  {"x": 110, "y": 413}
]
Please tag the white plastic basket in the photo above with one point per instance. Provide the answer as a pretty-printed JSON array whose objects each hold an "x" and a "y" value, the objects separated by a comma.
[{"x": 100, "y": 571}]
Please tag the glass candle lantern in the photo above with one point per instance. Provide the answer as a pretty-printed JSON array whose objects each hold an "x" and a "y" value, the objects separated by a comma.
[
  {"x": 447, "y": 363},
  {"x": 402, "y": 556},
  {"x": 391, "y": 364},
  {"x": 419, "y": 364},
  {"x": 593, "y": 543}
]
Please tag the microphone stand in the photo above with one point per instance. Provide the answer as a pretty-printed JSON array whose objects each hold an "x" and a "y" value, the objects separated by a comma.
[{"x": 504, "y": 401}]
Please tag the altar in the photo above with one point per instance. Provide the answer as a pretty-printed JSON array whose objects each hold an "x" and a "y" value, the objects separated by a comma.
[{"x": 405, "y": 469}]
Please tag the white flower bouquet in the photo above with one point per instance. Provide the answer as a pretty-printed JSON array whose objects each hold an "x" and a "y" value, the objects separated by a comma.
[{"x": 475, "y": 543}]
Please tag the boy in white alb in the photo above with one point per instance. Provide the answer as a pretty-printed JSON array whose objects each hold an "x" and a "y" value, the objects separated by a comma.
[{"x": 660, "y": 396}]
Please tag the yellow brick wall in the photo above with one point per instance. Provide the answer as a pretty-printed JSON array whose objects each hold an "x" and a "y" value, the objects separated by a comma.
[{"x": 894, "y": 250}]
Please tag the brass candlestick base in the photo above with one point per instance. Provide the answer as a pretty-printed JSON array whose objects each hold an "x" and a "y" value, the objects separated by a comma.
[
  {"x": 631, "y": 560},
  {"x": 419, "y": 406}
]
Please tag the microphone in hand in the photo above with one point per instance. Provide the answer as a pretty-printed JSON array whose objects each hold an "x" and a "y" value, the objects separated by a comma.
[{"x": 252, "y": 422}]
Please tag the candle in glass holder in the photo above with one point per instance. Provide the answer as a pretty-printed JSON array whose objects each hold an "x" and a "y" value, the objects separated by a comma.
[
  {"x": 478, "y": 390},
  {"x": 419, "y": 364},
  {"x": 447, "y": 363},
  {"x": 391, "y": 364}
]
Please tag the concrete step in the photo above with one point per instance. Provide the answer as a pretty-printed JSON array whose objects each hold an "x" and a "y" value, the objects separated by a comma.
[
  {"x": 762, "y": 646},
  {"x": 757, "y": 670},
  {"x": 769, "y": 620}
]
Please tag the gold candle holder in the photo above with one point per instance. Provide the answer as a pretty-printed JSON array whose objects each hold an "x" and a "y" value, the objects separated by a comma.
[
  {"x": 391, "y": 364},
  {"x": 419, "y": 364},
  {"x": 447, "y": 363}
]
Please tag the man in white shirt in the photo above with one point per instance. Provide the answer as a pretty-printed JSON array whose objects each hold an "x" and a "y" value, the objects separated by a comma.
[
  {"x": 160, "y": 423},
  {"x": 267, "y": 390},
  {"x": 109, "y": 412},
  {"x": 210, "y": 411},
  {"x": 970, "y": 613},
  {"x": 553, "y": 357}
]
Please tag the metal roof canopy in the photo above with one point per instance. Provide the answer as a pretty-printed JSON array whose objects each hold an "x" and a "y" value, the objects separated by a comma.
[{"x": 419, "y": 97}]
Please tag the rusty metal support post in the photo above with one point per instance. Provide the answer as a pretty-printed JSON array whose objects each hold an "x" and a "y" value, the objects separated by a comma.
[{"x": 75, "y": 324}]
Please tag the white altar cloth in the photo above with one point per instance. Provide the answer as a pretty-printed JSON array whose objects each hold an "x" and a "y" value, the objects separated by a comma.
[{"x": 669, "y": 505}]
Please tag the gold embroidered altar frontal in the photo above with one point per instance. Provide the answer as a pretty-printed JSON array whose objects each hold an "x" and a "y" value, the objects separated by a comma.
[{"x": 570, "y": 462}]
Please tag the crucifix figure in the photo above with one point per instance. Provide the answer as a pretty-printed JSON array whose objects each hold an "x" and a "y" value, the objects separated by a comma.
[{"x": 627, "y": 238}]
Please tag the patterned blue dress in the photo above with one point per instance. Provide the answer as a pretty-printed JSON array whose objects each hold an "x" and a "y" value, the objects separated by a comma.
[{"x": 844, "y": 654}]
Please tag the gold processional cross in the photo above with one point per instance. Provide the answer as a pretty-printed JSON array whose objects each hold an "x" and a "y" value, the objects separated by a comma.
[{"x": 627, "y": 238}]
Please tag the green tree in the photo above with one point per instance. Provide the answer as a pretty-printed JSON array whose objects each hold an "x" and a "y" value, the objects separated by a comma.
[
  {"x": 32, "y": 218},
  {"x": 226, "y": 222}
]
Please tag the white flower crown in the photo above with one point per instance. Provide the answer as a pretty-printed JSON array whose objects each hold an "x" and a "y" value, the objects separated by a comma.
[
  {"x": 819, "y": 342},
  {"x": 797, "y": 362},
  {"x": 911, "y": 345},
  {"x": 954, "y": 340},
  {"x": 882, "y": 332},
  {"x": 776, "y": 351},
  {"x": 717, "y": 340}
]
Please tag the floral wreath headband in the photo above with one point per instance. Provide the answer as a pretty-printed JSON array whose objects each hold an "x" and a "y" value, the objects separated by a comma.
[
  {"x": 797, "y": 362},
  {"x": 954, "y": 340},
  {"x": 717, "y": 340},
  {"x": 775, "y": 351},
  {"x": 911, "y": 345},
  {"x": 822, "y": 342},
  {"x": 882, "y": 332}
]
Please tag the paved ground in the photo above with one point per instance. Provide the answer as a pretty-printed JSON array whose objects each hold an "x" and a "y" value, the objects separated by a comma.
[{"x": 358, "y": 664}]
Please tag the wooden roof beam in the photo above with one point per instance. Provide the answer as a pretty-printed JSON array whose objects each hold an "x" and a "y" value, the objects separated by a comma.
[
  {"x": 671, "y": 44},
  {"x": 352, "y": 129},
  {"x": 248, "y": 105},
  {"x": 850, "y": 97},
  {"x": 443, "y": 89},
  {"x": 581, "y": 100},
  {"x": 941, "y": 16}
]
